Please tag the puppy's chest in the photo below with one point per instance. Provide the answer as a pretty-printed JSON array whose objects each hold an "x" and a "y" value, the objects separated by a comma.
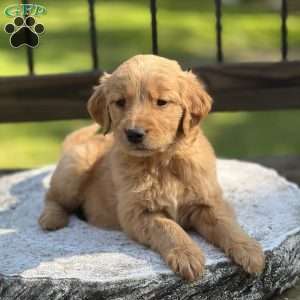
[
  {"x": 161, "y": 191},
  {"x": 157, "y": 189}
]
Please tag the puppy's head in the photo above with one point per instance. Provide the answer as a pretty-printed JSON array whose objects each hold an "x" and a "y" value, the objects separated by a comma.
[{"x": 149, "y": 103}]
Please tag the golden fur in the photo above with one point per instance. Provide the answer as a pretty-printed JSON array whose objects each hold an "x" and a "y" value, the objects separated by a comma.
[{"x": 156, "y": 189}]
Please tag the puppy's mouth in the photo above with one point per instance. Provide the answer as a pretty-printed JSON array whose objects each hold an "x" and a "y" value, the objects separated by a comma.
[
  {"x": 143, "y": 151},
  {"x": 140, "y": 150},
  {"x": 140, "y": 147}
]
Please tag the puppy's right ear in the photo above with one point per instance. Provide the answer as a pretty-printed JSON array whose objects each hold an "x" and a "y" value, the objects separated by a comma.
[
  {"x": 97, "y": 105},
  {"x": 198, "y": 103}
]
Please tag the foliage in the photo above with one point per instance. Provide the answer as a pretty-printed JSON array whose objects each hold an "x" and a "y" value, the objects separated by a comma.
[{"x": 186, "y": 33}]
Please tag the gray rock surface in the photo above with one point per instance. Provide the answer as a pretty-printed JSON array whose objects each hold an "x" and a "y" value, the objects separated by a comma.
[{"x": 83, "y": 262}]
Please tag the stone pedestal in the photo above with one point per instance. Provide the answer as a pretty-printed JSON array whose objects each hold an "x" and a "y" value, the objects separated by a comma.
[{"x": 83, "y": 262}]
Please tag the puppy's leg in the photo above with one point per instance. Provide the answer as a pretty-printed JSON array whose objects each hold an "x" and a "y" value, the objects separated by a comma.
[
  {"x": 64, "y": 194},
  {"x": 168, "y": 238},
  {"x": 217, "y": 224},
  {"x": 61, "y": 198},
  {"x": 54, "y": 216}
]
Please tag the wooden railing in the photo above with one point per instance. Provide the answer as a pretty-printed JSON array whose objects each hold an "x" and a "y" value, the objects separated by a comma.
[{"x": 234, "y": 87}]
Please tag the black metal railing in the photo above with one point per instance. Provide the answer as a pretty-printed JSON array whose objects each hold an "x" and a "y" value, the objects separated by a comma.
[
  {"x": 154, "y": 33},
  {"x": 29, "y": 51},
  {"x": 218, "y": 13},
  {"x": 284, "y": 31},
  {"x": 153, "y": 10},
  {"x": 93, "y": 34},
  {"x": 234, "y": 87}
]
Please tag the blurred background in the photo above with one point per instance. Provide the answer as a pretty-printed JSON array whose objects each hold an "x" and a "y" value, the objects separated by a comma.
[{"x": 186, "y": 32}]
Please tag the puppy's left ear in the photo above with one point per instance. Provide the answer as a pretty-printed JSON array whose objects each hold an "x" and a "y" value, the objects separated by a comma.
[
  {"x": 97, "y": 105},
  {"x": 197, "y": 102}
]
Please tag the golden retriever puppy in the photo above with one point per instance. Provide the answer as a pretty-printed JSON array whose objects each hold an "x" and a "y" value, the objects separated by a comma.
[{"x": 154, "y": 175}]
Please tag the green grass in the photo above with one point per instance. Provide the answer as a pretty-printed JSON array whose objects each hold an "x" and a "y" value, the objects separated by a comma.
[
  {"x": 186, "y": 33},
  {"x": 33, "y": 144}
]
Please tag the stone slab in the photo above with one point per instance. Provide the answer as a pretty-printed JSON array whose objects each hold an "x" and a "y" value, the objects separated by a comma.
[{"x": 83, "y": 262}]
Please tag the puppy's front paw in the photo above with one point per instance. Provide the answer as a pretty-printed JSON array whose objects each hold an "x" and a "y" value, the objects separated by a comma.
[
  {"x": 188, "y": 262},
  {"x": 53, "y": 219},
  {"x": 249, "y": 255}
]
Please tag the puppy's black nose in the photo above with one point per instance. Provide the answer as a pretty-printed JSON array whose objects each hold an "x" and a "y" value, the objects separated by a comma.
[{"x": 135, "y": 135}]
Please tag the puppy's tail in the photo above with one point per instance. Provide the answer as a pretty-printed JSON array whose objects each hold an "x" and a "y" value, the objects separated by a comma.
[{"x": 79, "y": 136}]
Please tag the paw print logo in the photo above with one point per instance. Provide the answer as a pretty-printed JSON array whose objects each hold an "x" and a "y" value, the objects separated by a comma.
[{"x": 24, "y": 31}]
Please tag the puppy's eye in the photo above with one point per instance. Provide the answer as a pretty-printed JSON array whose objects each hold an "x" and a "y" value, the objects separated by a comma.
[
  {"x": 120, "y": 103},
  {"x": 161, "y": 102}
]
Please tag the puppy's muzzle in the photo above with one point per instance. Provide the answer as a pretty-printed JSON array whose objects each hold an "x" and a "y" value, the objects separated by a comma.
[{"x": 135, "y": 135}]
